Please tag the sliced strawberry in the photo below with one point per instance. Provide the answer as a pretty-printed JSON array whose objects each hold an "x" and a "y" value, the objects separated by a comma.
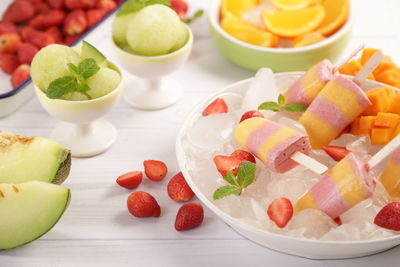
[
  {"x": 389, "y": 216},
  {"x": 338, "y": 221},
  {"x": 130, "y": 180},
  {"x": 227, "y": 163},
  {"x": 189, "y": 216},
  {"x": 251, "y": 114},
  {"x": 155, "y": 170},
  {"x": 336, "y": 152},
  {"x": 243, "y": 155},
  {"x": 280, "y": 211},
  {"x": 178, "y": 189},
  {"x": 216, "y": 107}
]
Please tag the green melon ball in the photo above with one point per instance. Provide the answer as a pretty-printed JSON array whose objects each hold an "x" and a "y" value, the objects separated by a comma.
[
  {"x": 120, "y": 27},
  {"x": 50, "y": 63},
  {"x": 154, "y": 31},
  {"x": 183, "y": 38},
  {"x": 103, "y": 82}
]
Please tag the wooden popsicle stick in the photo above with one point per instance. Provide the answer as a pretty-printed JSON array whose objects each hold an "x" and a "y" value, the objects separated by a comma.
[
  {"x": 384, "y": 152},
  {"x": 343, "y": 61},
  {"x": 368, "y": 68},
  {"x": 309, "y": 163}
]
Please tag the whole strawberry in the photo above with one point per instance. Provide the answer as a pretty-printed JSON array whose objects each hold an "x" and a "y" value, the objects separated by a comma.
[
  {"x": 142, "y": 204},
  {"x": 389, "y": 216},
  {"x": 75, "y": 22},
  {"x": 9, "y": 42},
  {"x": 189, "y": 216},
  {"x": 19, "y": 11},
  {"x": 178, "y": 189},
  {"x": 26, "y": 52},
  {"x": 9, "y": 62},
  {"x": 20, "y": 75}
]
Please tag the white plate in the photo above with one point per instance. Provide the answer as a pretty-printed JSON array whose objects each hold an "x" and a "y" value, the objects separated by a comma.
[{"x": 308, "y": 248}]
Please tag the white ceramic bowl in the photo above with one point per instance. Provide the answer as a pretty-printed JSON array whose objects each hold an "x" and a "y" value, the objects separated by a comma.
[{"x": 308, "y": 248}]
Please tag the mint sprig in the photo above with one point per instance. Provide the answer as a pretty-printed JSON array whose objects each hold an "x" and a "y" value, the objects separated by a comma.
[
  {"x": 137, "y": 5},
  {"x": 76, "y": 82},
  {"x": 195, "y": 16},
  {"x": 280, "y": 105},
  {"x": 244, "y": 178}
]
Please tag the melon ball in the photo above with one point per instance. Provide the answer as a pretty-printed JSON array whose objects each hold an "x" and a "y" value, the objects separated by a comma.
[
  {"x": 155, "y": 30},
  {"x": 103, "y": 82},
  {"x": 120, "y": 27}
]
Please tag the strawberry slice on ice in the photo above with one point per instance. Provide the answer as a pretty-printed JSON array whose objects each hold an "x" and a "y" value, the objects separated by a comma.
[
  {"x": 336, "y": 152},
  {"x": 216, "y": 107},
  {"x": 389, "y": 216},
  {"x": 251, "y": 114},
  {"x": 243, "y": 155},
  {"x": 225, "y": 164},
  {"x": 280, "y": 211}
]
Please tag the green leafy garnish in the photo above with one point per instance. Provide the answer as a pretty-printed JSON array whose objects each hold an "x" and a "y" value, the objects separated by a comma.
[
  {"x": 137, "y": 5},
  {"x": 76, "y": 82},
  {"x": 280, "y": 105},
  {"x": 195, "y": 16},
  {"x": 244, "y": 178}
]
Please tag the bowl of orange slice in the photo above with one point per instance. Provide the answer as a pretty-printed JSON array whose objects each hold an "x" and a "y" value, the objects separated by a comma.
[{"x": 284, "y": 35}]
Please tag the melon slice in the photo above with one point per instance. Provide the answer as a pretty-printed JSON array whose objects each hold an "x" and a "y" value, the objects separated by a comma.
[
  {"x": 32, "y": 158},
  {"x": 29, "y": 210},
  {"x": 89, "y": 51}
]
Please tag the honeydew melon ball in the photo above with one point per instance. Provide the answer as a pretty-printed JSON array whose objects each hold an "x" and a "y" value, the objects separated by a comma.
[
  {"x": 120, "y": 27},
  {"x": 155, "y": 31},
  {"x": 103, "y": 82},
  {"x": 50, "y": 63},
  {"x": 183, "y": 38}
]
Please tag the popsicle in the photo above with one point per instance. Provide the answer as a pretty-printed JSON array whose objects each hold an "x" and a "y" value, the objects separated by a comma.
[
  {"x": 390, "y": 177},
  {"x": 337, "y": 105},
  {"x": 280, "y": 148},
  {"x": 308, "y": 86},
  {"x": 346, "y": 184}
]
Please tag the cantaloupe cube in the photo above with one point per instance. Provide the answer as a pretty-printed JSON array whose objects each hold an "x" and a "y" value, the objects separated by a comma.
[
  {"x": 390, "y": 76},
  {"x": 351, "y": 68},
  {"x": 396, "y": 131},
  {"x": 367, "y": 54},
  {"x": 381, "y": 99},
  {"x": 395, "y": 106},
  {"x": 381, "y": 136},
  {"x": 387, "y": 63},
  {"x": 366, "y": 122},
  {"x": 355, "y": 126},
  {"x": 386, "y": 120}
]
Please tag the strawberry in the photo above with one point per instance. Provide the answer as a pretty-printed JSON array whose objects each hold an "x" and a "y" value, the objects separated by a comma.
[
  {"x": 227, "y": 163},
  {"x": 189, "y": 216},
  {"x": 389, "y": 216},
  {"x": 9, "y": 42},
  {"x": 37, "y": 22},
  {"x": 56, "y": 34},
  {"x": 107, "y": 5},
  {"x": 142, "y": 204},
  {"x": 41, "y": 7},
  {"x": 130, "y": 180},
  {"x": 6, "y": 26},
  {"x": 336, "y": 152},
  {"x": 75, "y": 22},
  {"x": 216, "y": 107},
  {"x": 251, "y": 114},
  {"x": 280, "y": 211},
  {"x": 19, "y": 11},
  {"x": 39, "y": 38},
  {"x": 93, "y": 16},
  {"x": 243, "y": 155},
  {"x": 78, "y": 4},
  {"x": 26, "y": 52},
  {"x": 155, "y": 170},
  {"x": 9, "y": 62},
  {"x": 178, "y": 189},
  {"x": 338, "y": 221},
  {"x": 25, "y": 31},
  {"x": 71, "y": 39},
  {"x": 53, "y": 18},
  {"x": 56, "y": 4},
  {"x": 20, "y": 75},
  {"x": 180, "y": 7}
]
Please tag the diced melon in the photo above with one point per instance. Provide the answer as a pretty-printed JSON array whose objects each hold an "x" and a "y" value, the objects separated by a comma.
[
  {"x": 387, "y": 63},
  {"x": 367, "y": 54},
  {"x": 32, "y": 158},
  {"x": 381, "y": 99},
  {"x": 390, "y": 76},
  {"x": 29, "y": 210},
  {"x": 386, "y": 120},
  {"x": 381, "y": 136},
  {"x": 395, "y": 106},
  {"x": 367, "y": 122},
  {"x": 355, "y": 126}
]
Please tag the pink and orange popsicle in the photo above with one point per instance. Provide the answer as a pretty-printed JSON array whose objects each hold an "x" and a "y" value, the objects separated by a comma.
[{"x": 390, "y": 177}]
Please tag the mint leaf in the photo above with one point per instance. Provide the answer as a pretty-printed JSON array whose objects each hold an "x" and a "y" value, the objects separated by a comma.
[
  {"x": 196, "y": 15},
  {"x": 137, "y": 5},
  {"x": 295, "y": 107},
  {"x": 230, "y": 178},
  {"x": 281, "y": 99},
  {"x": 61, "y": 86},
  {"x": 225, "y": 191},
  {"x": 246, "y": 174},
  {"x": 87, "y": 68},
  {"x": 270, "y": 105},
  {"x": 82, "y": 87},
  {"x": 73, "y": 69}
]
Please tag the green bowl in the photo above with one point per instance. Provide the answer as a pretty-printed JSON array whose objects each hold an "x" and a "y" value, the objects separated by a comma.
[{"x": 278, "y": 59}]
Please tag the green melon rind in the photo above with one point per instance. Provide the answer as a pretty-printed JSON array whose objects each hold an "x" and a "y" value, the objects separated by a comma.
[
  {"x": 64, "y": 168},
  {"x": 89, "y": 51}
]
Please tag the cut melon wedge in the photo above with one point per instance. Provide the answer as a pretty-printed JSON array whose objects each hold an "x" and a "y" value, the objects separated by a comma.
[
  {"x": 89, "y": 51},
  {"x": 32, "y": 158},
  {"x": 29, "y": 210}
]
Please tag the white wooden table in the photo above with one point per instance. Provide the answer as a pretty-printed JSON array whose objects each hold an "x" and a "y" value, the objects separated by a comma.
[{"x": 97, "y": 229}]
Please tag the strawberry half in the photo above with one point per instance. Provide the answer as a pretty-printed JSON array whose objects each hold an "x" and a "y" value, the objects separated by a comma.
[
  {"x": 178, "y": 189},
  {"x": 389, "y": 216},
  {"x": 216, "y": 107},
  {"x": 130, "y": 180},
  {"x": 338, "y": 221},
  {"x": 243, "y": 155},
  {"x": 189, "y": 216},
  {"x": 251, "y": 114},
  {"x": 227, "y": 163},
  {"x": 336, "y": 152},
  {"x": 155, "y": 170},
  {"x": 280, "y": 211}
]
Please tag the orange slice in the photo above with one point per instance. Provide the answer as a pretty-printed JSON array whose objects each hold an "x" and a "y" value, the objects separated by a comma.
[
  {"x": 248, "y": 33},
  {"x": 237, "y": 7},
  {"x": 292, "y": 23},
  {"x": 337, "y": 12},
  {"x": 308, "y": 39},
  {"x": 291, "y": 4}
]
